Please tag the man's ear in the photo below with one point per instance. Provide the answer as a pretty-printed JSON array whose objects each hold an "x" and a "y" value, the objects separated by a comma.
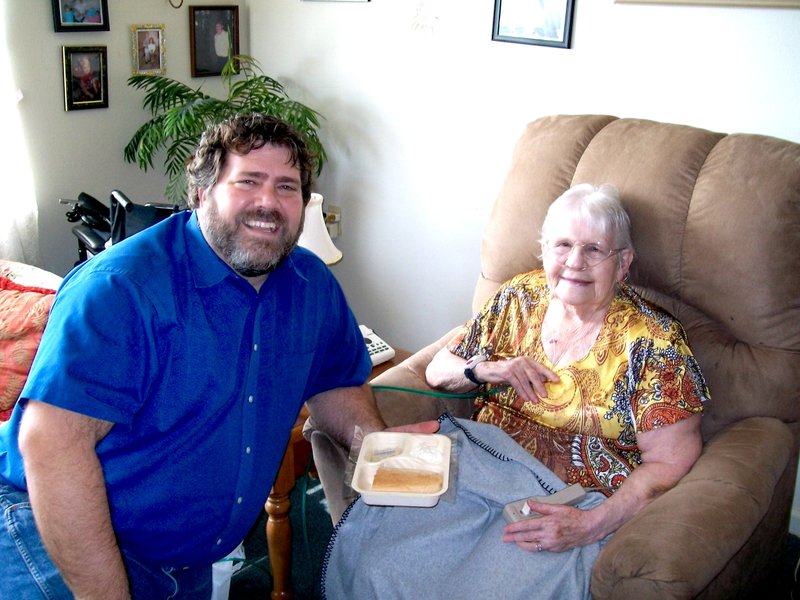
[{"x": 201, "y": 197}]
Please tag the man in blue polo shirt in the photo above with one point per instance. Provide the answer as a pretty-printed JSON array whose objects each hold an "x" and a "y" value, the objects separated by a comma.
[{"x": 168, "y": 379}]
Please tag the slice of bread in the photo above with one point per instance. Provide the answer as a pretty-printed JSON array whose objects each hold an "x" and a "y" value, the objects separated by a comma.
[{"x": 388, "y": 479}]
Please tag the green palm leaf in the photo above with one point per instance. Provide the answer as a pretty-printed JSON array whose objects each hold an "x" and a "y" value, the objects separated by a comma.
[{"x": 180, "y": 114}]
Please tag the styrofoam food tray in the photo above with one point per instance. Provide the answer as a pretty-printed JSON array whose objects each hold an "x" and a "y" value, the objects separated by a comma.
[{"x": 418, "y": 451}]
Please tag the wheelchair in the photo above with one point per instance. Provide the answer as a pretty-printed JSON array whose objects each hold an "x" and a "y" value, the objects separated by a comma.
[{"x": 99, "y": 226}]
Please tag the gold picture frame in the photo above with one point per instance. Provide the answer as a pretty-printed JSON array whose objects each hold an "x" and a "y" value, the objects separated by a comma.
[
  {"x": 148, "y": 50},
  {"x": 742, "y": 3}
]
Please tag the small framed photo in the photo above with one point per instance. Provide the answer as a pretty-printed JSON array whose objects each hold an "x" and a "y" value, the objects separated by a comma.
[
  {"x": 543, "y": 23},
  {"x": 148, "y": 49},
  {"x": 213, "y": 36},
  {"x": 80, "y": 15},
  {"x": 85, "y": 77}
]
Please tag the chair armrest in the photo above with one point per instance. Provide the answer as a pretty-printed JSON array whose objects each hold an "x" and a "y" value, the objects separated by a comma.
[
  {"x": 91, "y": 239},
  {"x": 679, "y": 542},
  {"x": 402, "y": 407}
]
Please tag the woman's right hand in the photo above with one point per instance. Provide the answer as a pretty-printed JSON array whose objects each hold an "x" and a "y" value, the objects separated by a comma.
[{"x": 524, "y": 374}]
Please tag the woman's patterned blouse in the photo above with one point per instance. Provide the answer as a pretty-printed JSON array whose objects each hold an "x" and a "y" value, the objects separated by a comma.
[{"x": 639, "y": 375}]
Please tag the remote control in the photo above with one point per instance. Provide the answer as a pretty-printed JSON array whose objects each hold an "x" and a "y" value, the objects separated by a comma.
[{"x": 519, "y": 509}]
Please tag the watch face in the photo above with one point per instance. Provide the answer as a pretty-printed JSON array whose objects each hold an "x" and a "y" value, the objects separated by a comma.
[{"x": 478, "y": 358}]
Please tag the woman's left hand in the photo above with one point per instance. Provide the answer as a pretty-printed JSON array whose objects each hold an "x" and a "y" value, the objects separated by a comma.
[
  {"x": 559, "y": 528},
  {"x": 667, "y": 454}
]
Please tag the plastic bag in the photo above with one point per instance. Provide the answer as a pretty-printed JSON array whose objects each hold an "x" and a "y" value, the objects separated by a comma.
[{"x": 223, "y": 570}]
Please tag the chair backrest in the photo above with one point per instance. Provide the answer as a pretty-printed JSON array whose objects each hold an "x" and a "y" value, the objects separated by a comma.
[{"x": 716, "y": 228}]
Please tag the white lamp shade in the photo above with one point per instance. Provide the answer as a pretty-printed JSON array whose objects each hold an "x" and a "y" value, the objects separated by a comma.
[{"x": 315, "y": 235}]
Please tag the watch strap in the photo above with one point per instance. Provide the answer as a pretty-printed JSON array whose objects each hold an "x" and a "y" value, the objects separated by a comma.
[
  {"x": 470, "y": 374},
  {"x": 472, "y": 363}
]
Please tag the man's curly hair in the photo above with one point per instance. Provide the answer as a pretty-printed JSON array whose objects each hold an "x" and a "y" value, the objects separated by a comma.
[{"x": 242, "y": 134}]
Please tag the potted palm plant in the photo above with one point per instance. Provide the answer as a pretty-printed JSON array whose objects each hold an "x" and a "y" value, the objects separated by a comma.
[{"x": 180, "y": 114}]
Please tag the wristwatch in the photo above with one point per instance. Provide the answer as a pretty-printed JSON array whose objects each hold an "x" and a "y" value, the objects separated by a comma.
[{"x": 471, "y": 364}]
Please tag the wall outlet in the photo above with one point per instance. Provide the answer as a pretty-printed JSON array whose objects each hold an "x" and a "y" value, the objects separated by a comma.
[{"x": 333, "y": 220}]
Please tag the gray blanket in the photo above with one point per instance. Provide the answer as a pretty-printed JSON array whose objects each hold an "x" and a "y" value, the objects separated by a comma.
[{"x": 455, "y": 550}]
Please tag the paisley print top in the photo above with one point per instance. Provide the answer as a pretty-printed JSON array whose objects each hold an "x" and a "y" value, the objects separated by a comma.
[{"x": 639, "y": 375}]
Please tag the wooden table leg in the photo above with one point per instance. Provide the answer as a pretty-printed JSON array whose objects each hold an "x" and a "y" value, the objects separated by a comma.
[{"x": 279, "y": 527}]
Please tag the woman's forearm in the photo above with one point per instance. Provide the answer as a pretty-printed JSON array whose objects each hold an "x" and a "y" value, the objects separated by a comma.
[
  {"x": 667, "y": 455},
  {"x": 642, "y": 486},
  {"x": 446, "y": 372}
]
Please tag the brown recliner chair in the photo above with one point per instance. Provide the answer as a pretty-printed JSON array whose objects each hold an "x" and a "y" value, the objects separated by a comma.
[{"x": 716, "y": 224}]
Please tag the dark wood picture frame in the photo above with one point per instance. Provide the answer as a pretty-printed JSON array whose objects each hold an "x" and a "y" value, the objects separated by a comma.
[
  {"x": 80, "y": 15},
  {"x": 207, "y": 25},
  {"x": 551, "y": 25},
  {"x": 85, "y": 77}
]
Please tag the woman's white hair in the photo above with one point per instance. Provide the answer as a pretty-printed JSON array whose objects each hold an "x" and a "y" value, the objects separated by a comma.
[{"x": 597, "y": 203}]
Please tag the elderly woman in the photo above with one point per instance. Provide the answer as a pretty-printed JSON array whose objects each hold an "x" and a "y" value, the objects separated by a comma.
[
  {"x": 601, "y": 385},
  {"x": 585, "y": 382}
]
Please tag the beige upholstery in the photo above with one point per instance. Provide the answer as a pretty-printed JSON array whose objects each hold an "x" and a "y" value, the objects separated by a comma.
[{"x": 716, "y": 223}]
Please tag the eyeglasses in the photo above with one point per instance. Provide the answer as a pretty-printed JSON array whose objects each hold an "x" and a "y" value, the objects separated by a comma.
[{"x": 593, "y": 252}]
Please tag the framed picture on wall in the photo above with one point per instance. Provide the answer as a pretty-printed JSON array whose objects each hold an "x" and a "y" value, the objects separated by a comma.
[
  {"x": 544, "y": 23},
  {"x": 85, "y": 77},
  {"x": 148, "y": 50},
  {"x": 750, "y": 3},
  {"x": 80, "y": 15},
  {"x": 213, "y": 37}
]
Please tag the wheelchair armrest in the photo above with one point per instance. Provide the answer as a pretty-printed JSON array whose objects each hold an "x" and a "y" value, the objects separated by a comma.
[{"x": 90, "y": 238}]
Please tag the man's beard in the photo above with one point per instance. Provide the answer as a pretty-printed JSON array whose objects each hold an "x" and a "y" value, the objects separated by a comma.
[{"x": 248, "y": 257}]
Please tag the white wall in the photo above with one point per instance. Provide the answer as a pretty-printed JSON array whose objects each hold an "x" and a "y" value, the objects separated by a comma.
[
  {"x": 420, "y": 123},
  {"x": 82, "y": 150}
]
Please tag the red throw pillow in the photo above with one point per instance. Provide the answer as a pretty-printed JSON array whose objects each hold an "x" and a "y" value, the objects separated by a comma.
[{"x": 23, "y": 315}]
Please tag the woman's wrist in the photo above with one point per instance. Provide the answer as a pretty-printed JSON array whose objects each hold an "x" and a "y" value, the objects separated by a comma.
[{"x": 472, "y": 364}]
